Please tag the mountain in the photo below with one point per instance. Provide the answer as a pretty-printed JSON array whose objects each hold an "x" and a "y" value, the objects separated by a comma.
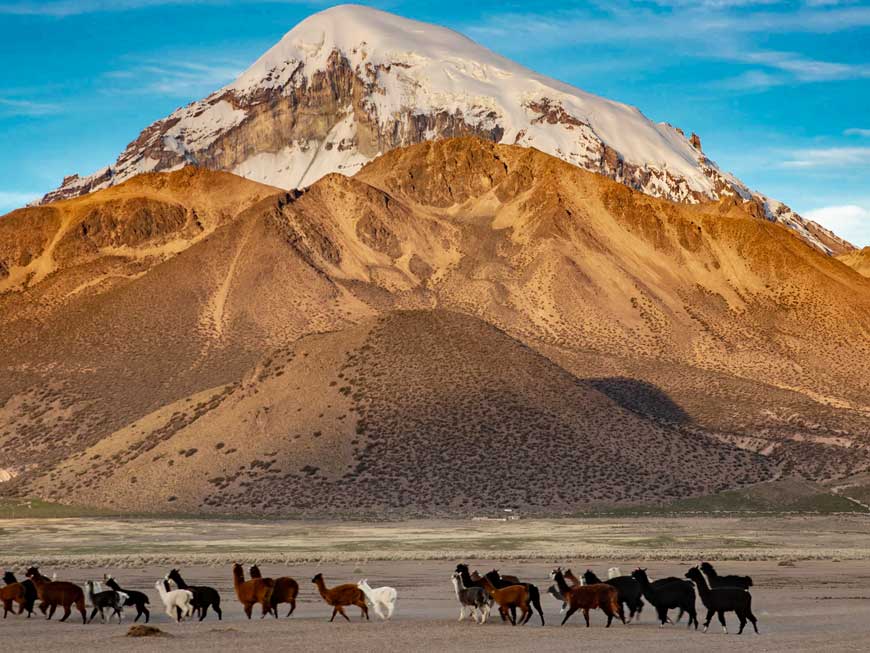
[
  {"x": 195, "y": 341},
  {"x": 351, "y": 83},
  {"x": 858, "y": 259}
]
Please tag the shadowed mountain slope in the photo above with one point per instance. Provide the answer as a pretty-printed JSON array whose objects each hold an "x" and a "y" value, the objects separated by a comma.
[{"x": 687, "y": 328}]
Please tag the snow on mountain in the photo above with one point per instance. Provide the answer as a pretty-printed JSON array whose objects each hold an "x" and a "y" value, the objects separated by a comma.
[{"x": 350, "y": 83}]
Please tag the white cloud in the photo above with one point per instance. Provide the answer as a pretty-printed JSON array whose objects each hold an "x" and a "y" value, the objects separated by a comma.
[
  {"x": 850, "y": 221},
  {"x": 181, "y": 79},
  {"x": 11, "y": 107},
  {"x": 828, "y": 157},
  {"x": 10, "y": 200},
  {"x": 857, "y": 131},
  {"x": 64, "y": 8}
]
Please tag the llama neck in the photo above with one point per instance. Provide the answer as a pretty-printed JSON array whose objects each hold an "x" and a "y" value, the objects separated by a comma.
[
  {"x": 321, "y": 587},
  {"x": 701, "y": 584},
  {"x": 466, "y": 577},
  {"x": 456, "y": 585},
  {"x": 367, "y": 590},
  {"x": 487, "y": 586},
  {"x": 179, "y": 581},
  {"x": 238, "y": 577},
  {"x": 560, "y": 583},
  {"x": 161, "y": 589},
  {"x": 591, "y": 578},
  {"x": 89, "y": 590}
]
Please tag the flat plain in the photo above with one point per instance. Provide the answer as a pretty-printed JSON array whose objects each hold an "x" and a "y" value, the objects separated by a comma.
[{"x": 811, "y": 575}]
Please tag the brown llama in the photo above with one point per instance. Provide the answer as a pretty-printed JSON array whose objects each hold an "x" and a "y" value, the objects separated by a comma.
[
  {"x": 251, "y": 592},
  {"x": 286, "y": 590},
  {"x": 340, "y": 596},
  {"x": 13, "y": 592},
  {"x": 588, "y": 597},
  {"x": 57, "y": 593},
  {"x": 508, "y": 599}
]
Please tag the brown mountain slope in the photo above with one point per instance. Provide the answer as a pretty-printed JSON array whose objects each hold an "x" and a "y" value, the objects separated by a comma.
[
  {"x": 416, "y": 412},
  {"x": 756, "y": 339},
  {"x": 858, "y": 259}
]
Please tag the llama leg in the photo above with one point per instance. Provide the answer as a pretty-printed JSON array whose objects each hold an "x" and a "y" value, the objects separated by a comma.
[
  {"x": 391, "y": 608},
  {"x": 93, "y": 614},
  {"x": 527, "y": 614},
  {"x": 147, "y": 614},
  {"x": 203, "y": 609},
  {"x": 51, "y": 608},
  {"x": 66, "y": 612},
  {"x": 663, "y": 616},
  {"x": 721, "y": 616},
  {"x": 217, "y": 608},
  {"x": 364, "y": 611},
  {"x": 343, "y": 613},
  {"x": 248, "y": 608},
  {"x": 709, "y": 618},
  {"x": 586, "y": 616},
  {"x": 741, "y": 615},
  {"x": 292, "y": 606},
  {"x": 571, "y": 611},
  {"x": 752, "y": 620}
]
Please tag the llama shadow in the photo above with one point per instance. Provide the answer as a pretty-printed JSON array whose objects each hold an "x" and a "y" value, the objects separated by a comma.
[{"x": 641, "y": 397}]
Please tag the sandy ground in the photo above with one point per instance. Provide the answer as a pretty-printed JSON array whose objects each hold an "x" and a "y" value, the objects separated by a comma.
[
  {"x": 812, "y": 579},
  {"x": 810, "y": 606}
]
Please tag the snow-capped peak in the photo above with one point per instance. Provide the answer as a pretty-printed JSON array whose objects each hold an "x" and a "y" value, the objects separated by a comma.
[{"x": 351, "y": 82}]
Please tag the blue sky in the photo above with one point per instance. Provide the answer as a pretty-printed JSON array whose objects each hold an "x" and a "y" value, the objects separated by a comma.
[{"x": 779, "y": 91}]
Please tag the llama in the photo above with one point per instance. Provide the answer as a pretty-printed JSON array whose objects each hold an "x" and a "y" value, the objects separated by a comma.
[
  {"x": 586, "y": 598},
  {"x": 719, "y": 600},
  {"x": 505, "y": 581},
  {"x": 381, "y": 598},
  {"x": 744, "y": 582},
  {"x": 57, "y": 593},
  {"x": 12, "y": 592},
  {"x": 204, "y": 597},
  {"x": 178, "y": 602},
  {"x": 100, "y": 600},
  {"x": 285, "y": 591},
  {"x": 509, "y": 599},
  {"x": 251, "y": 592},
  {"x": 475, "y": 599},
  {"x": 138, "y": 599},
  {"x": 29, "y": 592},
  {"x": 340, "y": 596},
  {"x": 665, "y": 596},
  {"x": 628, "y": 592}
]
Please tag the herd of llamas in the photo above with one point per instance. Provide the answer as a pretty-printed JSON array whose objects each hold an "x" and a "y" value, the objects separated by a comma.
[{"x": 476, "y": 595}]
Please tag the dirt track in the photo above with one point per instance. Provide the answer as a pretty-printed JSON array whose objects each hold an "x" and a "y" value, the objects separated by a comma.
[{"x": 810, "y": 606}]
